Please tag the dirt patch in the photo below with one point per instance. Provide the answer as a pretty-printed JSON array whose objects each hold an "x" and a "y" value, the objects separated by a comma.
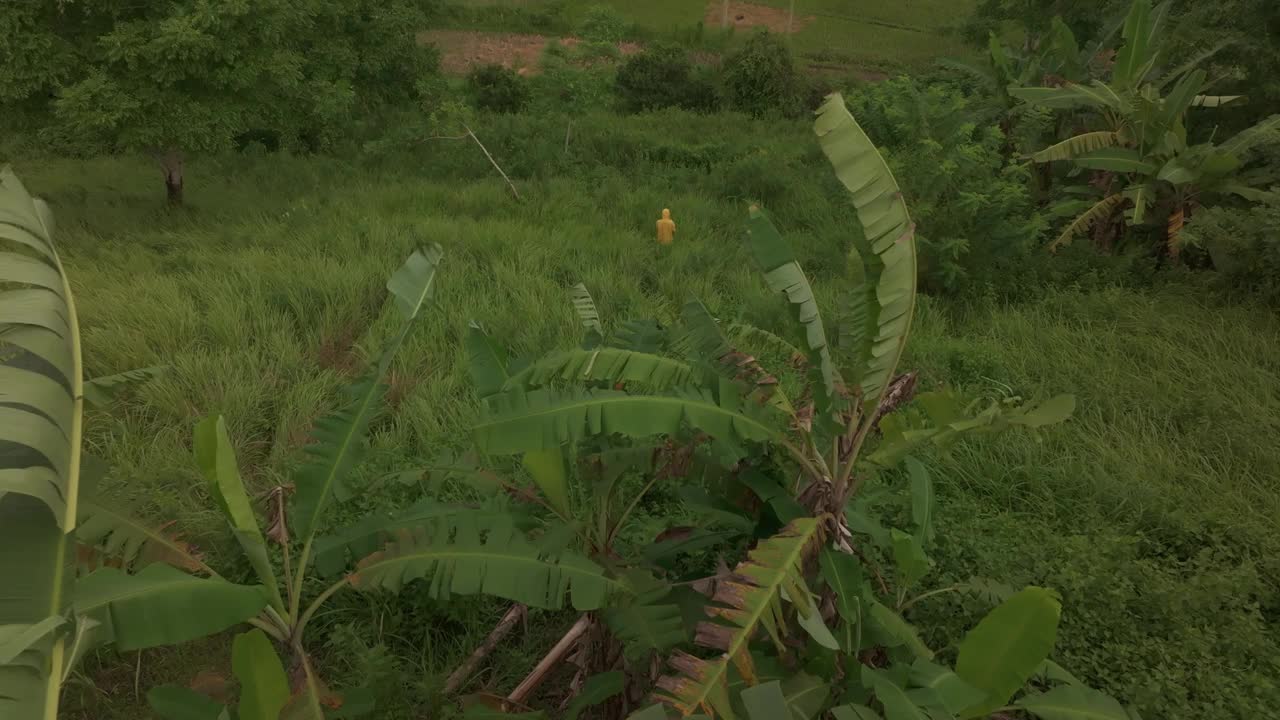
[
  {"x": 461, "y": 50},
  {"x": 747, "y": 15}
]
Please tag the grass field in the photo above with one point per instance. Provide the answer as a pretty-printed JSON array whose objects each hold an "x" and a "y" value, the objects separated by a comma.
[
  {"x": 1153, "y": 511},
  {"x": 857, "y": 33}
]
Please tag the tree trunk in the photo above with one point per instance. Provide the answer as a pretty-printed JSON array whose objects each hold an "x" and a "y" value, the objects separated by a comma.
[{"x": 171, "y": 166}]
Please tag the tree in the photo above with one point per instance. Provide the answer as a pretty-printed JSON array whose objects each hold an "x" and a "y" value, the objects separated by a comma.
[
  {"x": 170, "y": 79},
  {"x": 1137, "y": 143}
]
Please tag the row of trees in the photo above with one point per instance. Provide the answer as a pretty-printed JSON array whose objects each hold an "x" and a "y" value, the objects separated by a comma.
[{"x": 167, "y": 78}]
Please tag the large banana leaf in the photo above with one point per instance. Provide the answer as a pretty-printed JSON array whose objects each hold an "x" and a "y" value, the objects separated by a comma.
[
  {"x": 338, "y": 440},
  {"x": 784, "y": 275},
  {"x": 41, "y": 402},
  {"x": 367, "y": 536},
  {"x": 1004, "y": 650},
  {"x": 114, "y": 534},
  {"x": 465, "y": 558},
  {"x": 1073, "y": 703},
  {"x": 264, "y": 687},
  {"x": 1098, "y": 212},
  {"x": 750, "y": 599},
  {"x": 1069, "y": 96},
  {"x": 217, "y": 460},
  {"x": 603, "y": 364},
  {"x": 891, "y": 278},
  {"x": 486, "y": 361},
  {"x": 1077, "y": 145},
  {"x": 1141, "y": 34},
  {"x": 585, "y": 307},
  {"x": 703, "y": 340},
  {"x": 517, "y": 422},
  {"x": 162, "y": 605},
  {"x": 1116, "y": 159}
]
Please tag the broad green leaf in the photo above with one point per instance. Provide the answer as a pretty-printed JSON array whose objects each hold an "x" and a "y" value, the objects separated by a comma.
[
  {"x": 784, "y": 275},
  {"x": 17, "y": 639},
  {"x": 100, "y": 390},
  {"x": 602, "y": 364},
  {"x": 41, "y": 416},
  {"x": 264, "y": 687},
  {"x": 517, "y": 422},
  {"x": 1068, "y": 96},
  {"x": 162, "y": 605},
  {"x": 1116, "y": 159},
  {"x": 1181, "y": 96},
  {"x": 550, "y": 473},
  {"x": 806, "y": 695},
  {"x": 765, "y": 702},
  {"x": 923, "y": 501},
  {"x": 657, "y": 711},
  {"x": 1097, "y": 213},
  {"x": 843, "y": 574},
  {"x": 486, "y": 361},
  {"x": 746, "y": 601},
  {"x": 595, "y": 690},
  {"x": 585, "y": 307},
  {"x": 172, "y": 702},
  {"x": 954, "y": 694},
  {"x": 1141, "y": 46},
  {"x": 1077, "y": 145},
  {"x": 217, "y": 460},
  {"x": 459, "y": 556},
  {"x": 889, "y": 232},
  {"x": 338, "y": 440},
  {"x": 912, "y": 564},
  {"x": 1243, "y": 141},
  {"x": 898, "y": 631},
  {"x": 646, "y": 628},
  {"x": 1004, "y": 650},
  {"x": 897, "y": 706},
  {"x": 114, "y": 534},
  {"x": 1053, "y": 672},
  {"x": 854, "y": 712},
  {"x": 1215, "y": 101},
  {"x": 1055, "y": 410},
  {"x": 1070, "y": 702},
  {"x": 811, "y": 621}
]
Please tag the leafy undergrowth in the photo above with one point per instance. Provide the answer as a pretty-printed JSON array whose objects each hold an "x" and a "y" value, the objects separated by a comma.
[{"x": 1153, "y": 511}]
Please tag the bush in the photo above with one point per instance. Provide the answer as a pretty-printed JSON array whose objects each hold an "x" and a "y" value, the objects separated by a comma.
[
  {"x": 1244, "y": 245},
  {"x": 975, "y": 217},
  {"x": 662, "y": 76},
  {"x": 497, "y": 88},
  {"x": 761, "y": 78},
  {"x": 603, "y": 24}
]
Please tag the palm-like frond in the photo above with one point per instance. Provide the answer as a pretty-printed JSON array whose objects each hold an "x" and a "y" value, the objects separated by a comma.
[
  {"x": 891, "y": 278},
  {"x": 41, "y": 405},
  {"x": 603, "y": 364},
  {"x": 1078, "y": 145},
  {"x": 337, "y": 441},
  {"x": 585, "y": 307},
  {"x": 784, "y": 275},
  {"x": 465, "y": 557},
  {"x": 704, "y": 341},
  {"x": 517, "y": 421},
  {"x": 99, "y": 391},
  {"x": 110, "y": 534},
  {"x": 750, "y": 599},
  {"x": 1100, "y": 211}
]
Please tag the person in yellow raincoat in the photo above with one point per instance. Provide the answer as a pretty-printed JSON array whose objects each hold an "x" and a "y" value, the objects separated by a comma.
[{"x": 666, "y": 228}]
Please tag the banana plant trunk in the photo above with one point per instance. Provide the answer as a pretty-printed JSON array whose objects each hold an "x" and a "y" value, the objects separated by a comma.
[{"x": 171, "y": 166}]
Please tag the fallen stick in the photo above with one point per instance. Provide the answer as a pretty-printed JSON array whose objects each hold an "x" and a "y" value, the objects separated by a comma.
[
  {"x": 549, "y": 662},
  {"x": 464, "y": 671}
]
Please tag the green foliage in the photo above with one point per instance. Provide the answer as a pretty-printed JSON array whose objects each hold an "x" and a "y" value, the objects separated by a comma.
[
  {"x": 1244, "y": 246},
  {"x": 662, "y": 76},
  {"x": 977, "y": 218},
  {"x": 497, "y": 89},
  {"x": 760, "y": 78},
  {"x": 603, "y": 24}
]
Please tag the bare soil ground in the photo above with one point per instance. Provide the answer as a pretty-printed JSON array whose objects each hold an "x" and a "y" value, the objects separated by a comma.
[
  {"x": 747, "y": 15},
  {"x": 461, "y": 50}
]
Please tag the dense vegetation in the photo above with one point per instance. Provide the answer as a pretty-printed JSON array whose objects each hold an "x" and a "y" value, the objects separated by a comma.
[{"x": 952, "y": 473}]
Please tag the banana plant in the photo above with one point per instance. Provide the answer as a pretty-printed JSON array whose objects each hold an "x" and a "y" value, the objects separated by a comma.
[
  {"x": 147, "y": 588},
  {"x": 1136, "y": 147},
  {"x": 749, "y": 450}
]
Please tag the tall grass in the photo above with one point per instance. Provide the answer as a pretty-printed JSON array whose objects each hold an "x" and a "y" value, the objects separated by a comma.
[{"x": 1154, "y": 510}]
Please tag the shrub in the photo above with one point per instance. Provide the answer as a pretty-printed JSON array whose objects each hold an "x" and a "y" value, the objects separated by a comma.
[
  {"x": 1244, "y": 245},
  {"x": 603, "y": 24},
  {"x": 662, "y": 76},
  {"x": 761, "y": 78},
  {"x": 497, "y": 88},
  {"x": 975, "y": 214}
]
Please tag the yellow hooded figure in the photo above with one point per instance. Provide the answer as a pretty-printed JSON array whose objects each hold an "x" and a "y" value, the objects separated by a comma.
[{"x": 666, "y": 228}]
